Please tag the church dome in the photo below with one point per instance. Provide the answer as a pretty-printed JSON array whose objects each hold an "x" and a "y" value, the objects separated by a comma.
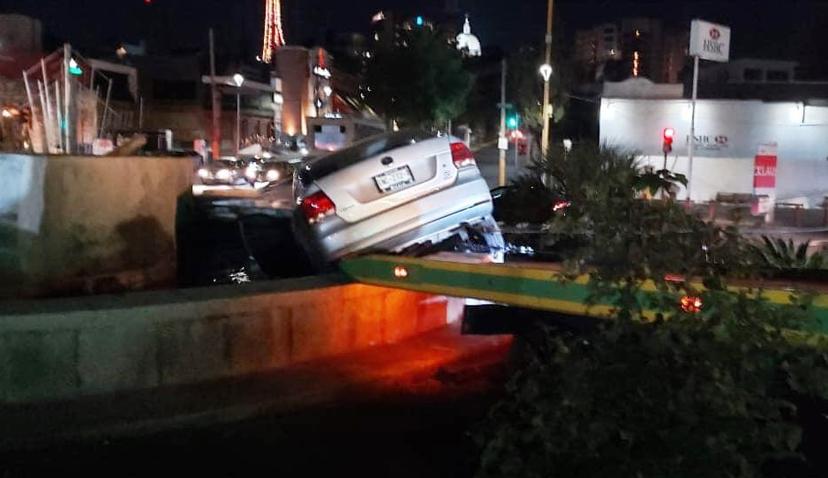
[{"x": 467, "y": 42}]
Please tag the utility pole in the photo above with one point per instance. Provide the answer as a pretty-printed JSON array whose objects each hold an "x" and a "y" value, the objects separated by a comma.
[
  {"x": 501, "y": 174},
  {"x": 215, "y": 137},
  {"x": 238, "y": 121},
  {"x": 548, "y": 61},
  {"x": 691, "y": 146}
]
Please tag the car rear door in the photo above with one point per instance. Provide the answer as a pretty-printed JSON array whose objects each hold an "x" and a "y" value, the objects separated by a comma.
[{"x": 393, "y": 177}]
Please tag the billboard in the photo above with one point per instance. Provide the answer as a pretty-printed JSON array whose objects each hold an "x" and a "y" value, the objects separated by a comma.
[{"x": 709, "y": 41}]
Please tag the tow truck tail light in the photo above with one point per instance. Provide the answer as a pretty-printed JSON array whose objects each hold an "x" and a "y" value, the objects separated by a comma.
[
  {"x": 317, "y": 206},
  {"x": 462, "y": 155}
]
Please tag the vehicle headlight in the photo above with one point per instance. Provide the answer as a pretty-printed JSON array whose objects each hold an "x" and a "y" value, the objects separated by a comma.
[
  {"x": 203, "y": 173},
  {"x": 224, "y": 174},
  {"x": 251, "y": 172},
  {"x": 272, "y": 175}
]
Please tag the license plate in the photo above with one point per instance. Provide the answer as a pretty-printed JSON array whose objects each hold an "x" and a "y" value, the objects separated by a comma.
[{"x": 395, "y": 179}]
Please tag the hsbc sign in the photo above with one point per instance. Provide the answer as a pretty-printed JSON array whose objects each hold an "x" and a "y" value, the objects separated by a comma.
[{"x": 709, "y": 41}]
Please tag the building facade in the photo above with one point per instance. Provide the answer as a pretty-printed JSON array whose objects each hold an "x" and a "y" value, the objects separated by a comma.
[
  {"x": 728, "y": 136},
  {"x": 631, "y": 48}
]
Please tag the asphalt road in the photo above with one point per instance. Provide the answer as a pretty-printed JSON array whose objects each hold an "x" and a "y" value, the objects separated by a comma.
[{"x": 488, "y": 161}]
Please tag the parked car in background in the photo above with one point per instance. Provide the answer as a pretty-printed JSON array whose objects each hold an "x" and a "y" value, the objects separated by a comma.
[
  {"x": 269, "y": 170},
  {"x": 225, "y": 171},
  {"x": 402, "y": 192}
]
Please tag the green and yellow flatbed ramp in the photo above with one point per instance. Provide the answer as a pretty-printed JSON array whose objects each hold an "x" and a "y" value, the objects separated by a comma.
[{"x": 532, "y": 285}]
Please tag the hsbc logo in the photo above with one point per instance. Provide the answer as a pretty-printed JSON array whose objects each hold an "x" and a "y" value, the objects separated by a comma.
[
  {"x": 711, "y": 142},
  {"x": 709, "y": 41}
]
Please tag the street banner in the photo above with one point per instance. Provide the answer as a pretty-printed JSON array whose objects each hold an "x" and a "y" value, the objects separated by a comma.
[
  {"x": 709, "y": 41},
  {"x": 764, "y": 167},
  {"x": 764, "y": 180}
]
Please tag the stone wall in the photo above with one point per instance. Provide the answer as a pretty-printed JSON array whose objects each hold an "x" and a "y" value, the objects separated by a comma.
[
  {"x": 69, "y": 220},
  {"x": 70, "y": 348}
]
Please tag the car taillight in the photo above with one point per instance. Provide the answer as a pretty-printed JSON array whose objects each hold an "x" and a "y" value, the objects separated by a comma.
[
  {"x": 317, "y": 206},
  {"x": 461, "y": 155}
]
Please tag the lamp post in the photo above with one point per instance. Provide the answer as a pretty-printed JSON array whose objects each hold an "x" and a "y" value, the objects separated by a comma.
[
  {"x": 548, "y": 68},
  {"x": 546, "y": 73},
  {"x": 238, "y": 79}
]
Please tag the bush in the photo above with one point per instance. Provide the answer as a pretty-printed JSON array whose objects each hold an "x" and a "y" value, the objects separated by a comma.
[
  {"x": 686, "y": 397},
  {"x": 710, "y": 392}
]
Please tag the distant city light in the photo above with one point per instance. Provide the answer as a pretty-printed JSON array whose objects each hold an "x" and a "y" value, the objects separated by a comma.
[
  {"x": 7, "y": 113},
  {"x": 378, "y": 17},
  {"x": 636, "y": 63},
  {"x": 274, "y": 35},
  {"x": 238, "y": 79},
  {"x": 327, "y": 90}
]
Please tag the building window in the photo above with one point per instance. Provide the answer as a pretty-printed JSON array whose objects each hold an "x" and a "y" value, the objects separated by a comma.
[
  {"x": 778, "y": 75},
  {"x": 753, "y": 74}
]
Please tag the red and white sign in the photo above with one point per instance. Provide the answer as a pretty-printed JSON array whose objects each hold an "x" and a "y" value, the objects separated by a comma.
[
  {"x": 764, "y": 180},
  {"x": 764, "y": 167},
  {"x": 709, "y": 41}
]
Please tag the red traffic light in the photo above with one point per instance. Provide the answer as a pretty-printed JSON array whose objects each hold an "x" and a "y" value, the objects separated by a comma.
[{"x": 667, "y": 139}]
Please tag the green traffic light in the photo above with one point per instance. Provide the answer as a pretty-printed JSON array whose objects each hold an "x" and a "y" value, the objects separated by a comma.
[
  {"x": 512, "y": 122},
  {"x": 74, "y": 68}
]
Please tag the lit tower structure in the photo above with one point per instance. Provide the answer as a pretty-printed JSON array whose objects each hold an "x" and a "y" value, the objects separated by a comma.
[{"x": 274, "y": 36}]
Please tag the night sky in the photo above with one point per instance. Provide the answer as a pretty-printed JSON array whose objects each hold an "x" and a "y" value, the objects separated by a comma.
[{"x": 764, "y": 28}]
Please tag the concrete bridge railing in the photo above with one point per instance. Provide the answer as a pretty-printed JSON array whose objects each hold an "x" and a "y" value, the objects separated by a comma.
[{"x": 65, "y": 349}]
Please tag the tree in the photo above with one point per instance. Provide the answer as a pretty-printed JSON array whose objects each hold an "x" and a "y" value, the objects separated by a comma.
[
  {"x": 418, "y": 80},
  {"x": 525, "y": 87}
]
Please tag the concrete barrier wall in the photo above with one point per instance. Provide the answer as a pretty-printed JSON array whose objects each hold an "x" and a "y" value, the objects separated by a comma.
[
  {"x": 69, "y": 348},
  {"x": 66, "y": 219}
]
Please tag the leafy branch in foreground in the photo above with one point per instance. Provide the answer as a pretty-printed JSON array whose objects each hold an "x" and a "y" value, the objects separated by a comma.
[{"x": 710, "y": 393}]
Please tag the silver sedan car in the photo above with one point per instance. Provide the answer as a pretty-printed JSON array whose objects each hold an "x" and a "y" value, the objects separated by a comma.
[{"x": 396, "y": 192}]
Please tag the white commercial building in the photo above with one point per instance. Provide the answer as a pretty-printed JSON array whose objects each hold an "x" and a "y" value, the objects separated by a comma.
[{"x": 728, "y": 135}]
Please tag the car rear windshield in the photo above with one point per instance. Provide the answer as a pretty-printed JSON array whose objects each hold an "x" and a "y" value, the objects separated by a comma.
[{"x": 359, "y": 151}]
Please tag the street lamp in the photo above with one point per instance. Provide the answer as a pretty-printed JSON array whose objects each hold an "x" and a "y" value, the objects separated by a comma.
[
  {"x": 238, "y": 79},
  {"x": 546, "y": 71}
]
